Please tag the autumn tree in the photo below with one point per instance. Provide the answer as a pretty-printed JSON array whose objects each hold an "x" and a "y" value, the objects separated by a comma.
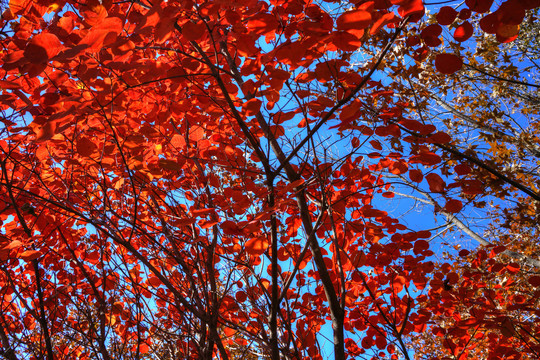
[
  {"x": 202, "y": 179},
  {"x": 490, "y": 108}
]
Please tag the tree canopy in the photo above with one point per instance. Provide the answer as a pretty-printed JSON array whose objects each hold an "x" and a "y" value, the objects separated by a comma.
[{"x": 282, "y": 179}]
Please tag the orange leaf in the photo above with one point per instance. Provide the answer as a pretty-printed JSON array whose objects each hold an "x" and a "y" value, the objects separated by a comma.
[
  {"x": 66, "y": 23},
  {"x": 355, "y": 19}
]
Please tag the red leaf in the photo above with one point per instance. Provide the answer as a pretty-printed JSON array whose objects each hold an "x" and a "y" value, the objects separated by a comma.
[
  {"x": 388, "y": 18},
  {"x": 417, "y": 126},
  {"x": 42, "y": 47},
  {"x": 420, "y": 246},
  {"x": 376, "y": 144},
  {"x": 369, "y": 211},
  {"x": 448, "y": 63},
  {"x": 425, "y": 158},
  {"x": 530, "y": 4},
  {"x": 465, "y": 14},
  {"x": 94, "y": 15},
  {"x": 241, "y": 296},
  {"x": 436, "y": 183},
  {"x": 440, "y": 138},
  {"x": 193, "y": 31},
  {"x": 9, "y": 85},
  {"x": 479, "y": 6},
  {"x": 252, "y": 107},
  {"x": 513, "y": 268},
  {"x": 464, "y": 253},
  {"x": 346, "y": 41},
  {"x": 534, "y": 280},
  {"x": 423, "y": 234},
  {"x": 380, "y": 341},
  {"x": 154, "y": 281},
  {"x": 355, "y": 19},
  {"x": 263, "y": 24},
  {"x": 453, "y": 206},
  {"x": 463, "y": 31},
  {"x": 430, "y": 35},
  {"x": 462, "y": 169},
  {"x": 349, "y": 110},
  {"x": 431, "y": 30},
  {"x": 164, "y": 29},
  {"x": 18, "y": 6},
  {"x": 169, "y": 165},
  {"x": 398, "y": 282},
  {"x": 86, "y": 147},
  {"x": 446, "y": 15},
  {"x": 490, "y": 23},
  {"x": 506, "y": 33},
  {"x": 416, "y": 175},
  {"x": 413, "y": 8},
  {"x": 29, "y": 255},
  {"x": 257, "y": 246},
  {"x": 45, "y": 131},
  {"x": 367, "y": 342},
  {"x": 144, "y": 348},
  {"x": 15, "y": 244},
  {"x": 103, "y": 34},
  {"x": 499, "y": 249}
]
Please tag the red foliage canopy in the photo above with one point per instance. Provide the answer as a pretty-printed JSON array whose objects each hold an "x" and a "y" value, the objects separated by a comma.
[{"x": 163, "y": 193}]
